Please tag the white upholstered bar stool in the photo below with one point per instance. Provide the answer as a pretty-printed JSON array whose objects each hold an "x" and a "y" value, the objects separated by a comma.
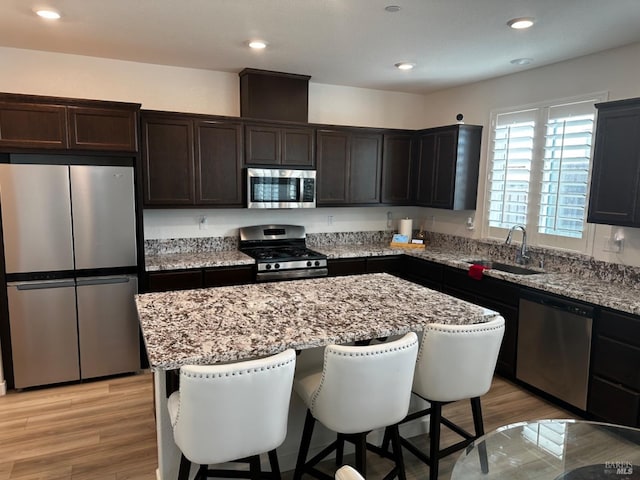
[
  {"x": 359, "y": 389},
  {"x": 232, "y": 412},
  {"x": 455, "y": 362}
]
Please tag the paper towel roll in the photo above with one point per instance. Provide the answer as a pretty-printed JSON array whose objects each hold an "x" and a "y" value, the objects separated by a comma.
[{"x": 406, "y": 227}]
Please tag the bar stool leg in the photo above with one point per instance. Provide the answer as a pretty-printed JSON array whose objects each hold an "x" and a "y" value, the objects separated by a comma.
[
  {"x": 307, "y": 432},
  {"x": 361, "y": 453},
  {"x": 254, "y": 467},
  {"x": 339, "y": 450},
  {"x": 434, "y": 439},
  {"x": 397, "y": 451},
  {"x": 185, "y": 467},
  {"x": 478, "y": 425},
  {"x": 275, "y": 465}
]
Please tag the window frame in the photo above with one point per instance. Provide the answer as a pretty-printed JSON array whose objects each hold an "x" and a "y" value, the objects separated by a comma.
[{"x": 582, "y": 245}]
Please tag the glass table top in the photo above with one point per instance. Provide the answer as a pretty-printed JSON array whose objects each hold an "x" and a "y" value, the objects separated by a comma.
[{"x": 553, "y": 450}]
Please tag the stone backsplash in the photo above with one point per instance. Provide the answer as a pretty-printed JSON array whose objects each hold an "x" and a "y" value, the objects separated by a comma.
[{"x": 549, "y": 259}]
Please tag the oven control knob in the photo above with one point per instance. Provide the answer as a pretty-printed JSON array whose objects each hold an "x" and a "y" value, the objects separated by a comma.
[
  {"x": 317, "y": 263},
  {"x": 268, "y": 267},
  {"x": 277, "y": 265},
  {"x": 309, "y": 263}
]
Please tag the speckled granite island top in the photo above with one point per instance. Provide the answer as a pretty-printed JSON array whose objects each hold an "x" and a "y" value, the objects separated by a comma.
[{"x": 231, "y": 323}]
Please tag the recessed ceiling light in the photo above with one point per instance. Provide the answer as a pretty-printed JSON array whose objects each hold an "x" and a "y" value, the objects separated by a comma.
[
  {"x": 392, "y": 8},
  {"x": 257, "y": 44},
  {"x": 520, "y": 23},
  {"x": 521, "y": 61},
  {"x": 48, "y": 13},
  {"x": 405, "y": 66}
]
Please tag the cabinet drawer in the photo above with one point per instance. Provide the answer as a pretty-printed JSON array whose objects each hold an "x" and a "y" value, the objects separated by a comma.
[
  {"x": 183, "y": 280},
  {"x": 347, "y": 266},
  {"x": 617, "y": 361},
  {"x": 619, "y": 327},
  {"x": 218, "y": 277},
  {"x": 383, "y": 264},
  {"x": 613, "y": 403}
]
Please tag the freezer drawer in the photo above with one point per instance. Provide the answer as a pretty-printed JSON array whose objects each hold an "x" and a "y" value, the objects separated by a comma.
[
  {"x": 108, "y": 325},
  {"x": 104, "y": 223},
  {"x": 44, "y": 336},
  {"x": 36, "y": 218}
]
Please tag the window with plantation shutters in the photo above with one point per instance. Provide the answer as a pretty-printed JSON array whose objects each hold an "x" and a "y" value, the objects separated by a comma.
[{"x": 539, "y": 166}]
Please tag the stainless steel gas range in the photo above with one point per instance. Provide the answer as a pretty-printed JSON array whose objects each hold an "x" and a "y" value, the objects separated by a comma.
[{"x": 281, "y": 252}]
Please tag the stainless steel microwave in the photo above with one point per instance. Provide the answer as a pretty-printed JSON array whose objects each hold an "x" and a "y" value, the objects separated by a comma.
[{"x": 276, "y": 188}]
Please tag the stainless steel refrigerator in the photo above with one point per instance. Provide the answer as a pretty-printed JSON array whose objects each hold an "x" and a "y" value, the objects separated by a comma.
[{"x": 69, "y": 235}]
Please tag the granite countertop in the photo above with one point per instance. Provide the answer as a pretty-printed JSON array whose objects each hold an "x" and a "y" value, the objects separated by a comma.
[
  {"x": 178, "y": 261},
  {"x": 594, "y": 291},
  {"x": 224, "y": 324},
  {"x": 591, "y": 290}
]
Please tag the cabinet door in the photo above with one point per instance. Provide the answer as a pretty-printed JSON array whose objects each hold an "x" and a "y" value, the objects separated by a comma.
[
  {"x": 426, "y": 167},
  {"x": 333, "y": 164},
  {"x": 262, "y": 145},
  {"x": 365, "y": 169},
  {"x": 449, "y": 159},
  {"x": 398, "y": 169},
  {"x": 33, "y": 126},
  {"x": 168, "y": 169},
  {"x": 102, "y": 129},
  {"x": 615, "y": 183},
  {"x": 298, "y": 147},
  {"x": 218, "y": 163},
  {"x": 437, "y": 169},
  {"x": 444, "y": 170}
]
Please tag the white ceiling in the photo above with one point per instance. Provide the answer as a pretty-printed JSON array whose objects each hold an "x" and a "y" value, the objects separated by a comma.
[{"x": 342, "y": 42}]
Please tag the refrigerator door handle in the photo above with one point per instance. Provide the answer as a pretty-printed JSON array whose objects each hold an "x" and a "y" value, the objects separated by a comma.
[
  {"x": 82, "y": 282},
  {"x": 41, "y": 285}
]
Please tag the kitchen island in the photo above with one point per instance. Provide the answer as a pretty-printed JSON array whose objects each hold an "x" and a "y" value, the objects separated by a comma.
[{"x": 214, "y": 325}]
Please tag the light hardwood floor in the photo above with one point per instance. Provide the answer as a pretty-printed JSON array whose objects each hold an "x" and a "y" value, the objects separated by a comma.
[{"x": 105, "y": 430}]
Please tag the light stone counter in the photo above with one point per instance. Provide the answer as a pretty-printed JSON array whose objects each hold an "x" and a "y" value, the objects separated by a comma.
[
  {"x": 224, "y": 324},
  {"x": 178, "y": 261}
]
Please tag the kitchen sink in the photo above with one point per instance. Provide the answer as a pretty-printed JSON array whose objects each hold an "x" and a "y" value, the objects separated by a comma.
[{"x": 505, "y": 267}]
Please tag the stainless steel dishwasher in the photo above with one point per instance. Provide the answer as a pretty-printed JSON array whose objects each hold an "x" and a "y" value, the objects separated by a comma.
[{"x": 554, "y": 346}]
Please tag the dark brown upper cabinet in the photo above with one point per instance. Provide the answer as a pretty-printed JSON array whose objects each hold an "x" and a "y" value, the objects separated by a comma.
[
  {"x": 37, "y": 123},
  {"x": 191, "y": 160},
  {"x": 349, "y": 167},
  {"x": 218, "y": 163},
  {"x": 398, "y": 169},
  {"x": 271, "y": 145},
  {"x": 448, "y": 165},
  {"x": 93, "y": 128},
  {"x": 614, "y": 198}
]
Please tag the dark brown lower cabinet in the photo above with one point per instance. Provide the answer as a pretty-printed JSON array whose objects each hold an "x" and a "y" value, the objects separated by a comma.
[
  {"x": 178, "y": 280},
  {"x": 198, "y": 278},
  {"x": 422, "y": 272},
  {"x": 224, "y": 276},
  {"x": 614, "y": 389},
  {"x": 338, "y": 267},
  {"x": 498, "y": 295}
]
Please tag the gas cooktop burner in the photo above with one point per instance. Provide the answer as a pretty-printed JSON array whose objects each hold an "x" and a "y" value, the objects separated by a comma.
[{"x": 281, "y": 253}]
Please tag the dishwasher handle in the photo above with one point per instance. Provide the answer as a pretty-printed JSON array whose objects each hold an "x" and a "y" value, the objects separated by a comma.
[{"x": 560, "y": 304}]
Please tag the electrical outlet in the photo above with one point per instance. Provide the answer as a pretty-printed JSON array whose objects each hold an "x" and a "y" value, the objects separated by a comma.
[
  {"x": 204, "y": 223},
  {"x": 329, "y": 219},
  {"x": 389, "y": 220}
]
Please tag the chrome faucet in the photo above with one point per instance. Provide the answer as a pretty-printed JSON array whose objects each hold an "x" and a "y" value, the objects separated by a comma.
[{"x": 521, "y": 257}]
